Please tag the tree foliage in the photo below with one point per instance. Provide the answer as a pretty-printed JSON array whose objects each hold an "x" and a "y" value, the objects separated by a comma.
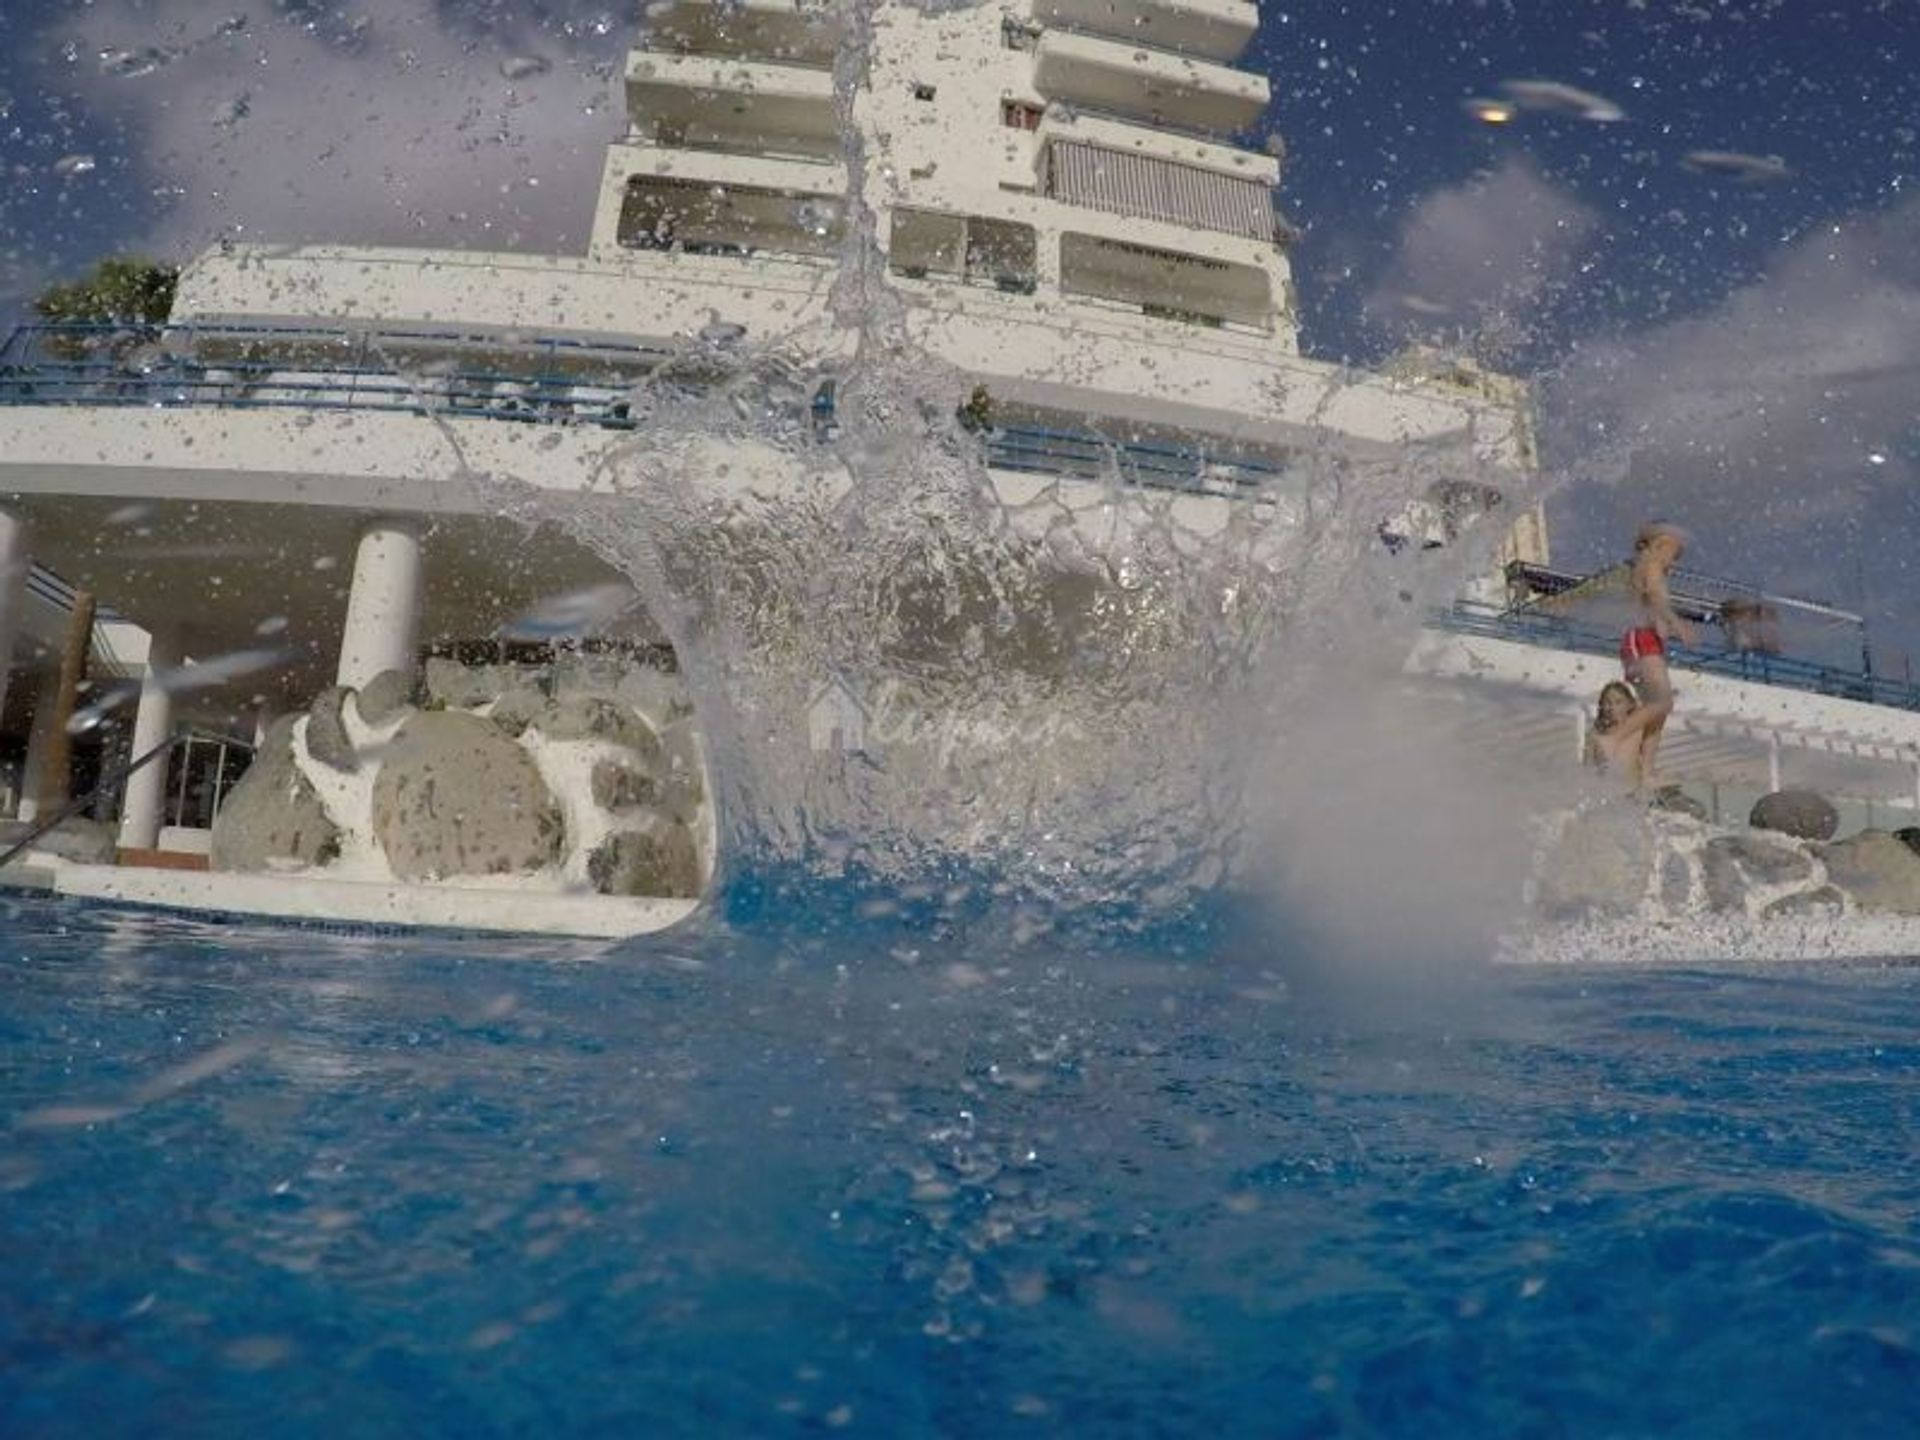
[{"x": 124, "y": 291}]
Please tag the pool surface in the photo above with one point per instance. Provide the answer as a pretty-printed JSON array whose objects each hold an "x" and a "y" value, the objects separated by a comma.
[{"x": 887, "y": 1178}]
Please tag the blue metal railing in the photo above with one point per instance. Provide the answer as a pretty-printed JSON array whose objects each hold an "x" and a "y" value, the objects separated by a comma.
[
  {"x": 1556, "y": 632},
  {"x": 1087, "y": 456},
  {"x": 252, "y": 367},
  {"x": 548, "y": 381}
]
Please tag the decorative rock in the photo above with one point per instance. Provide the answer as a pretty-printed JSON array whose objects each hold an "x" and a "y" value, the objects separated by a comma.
[
  {"x": 1676, "y": 883},
  {"x": 467, "y": 687},
  {"x": 327, "y": 738},
  {"x": 682, "y": 778},
  {"x": 83, "y": 841},
  {"x": 1675, "y": 800},
  {"x": 1725, "y": 881},
  {"x": 619, "y": 784},
  {"x": 1600, "y": 866},
  {"x": 660, "y": 861},
  {"x": 273, "y": 814},
  {"x": 1810, "y": 904},
  {"x": 1769, "y": 862},
  {"x": 518, "y": 708},
  {"x": 1877, "y": 870},
  {"x": 385, "y": 697},
  {"x": 589, "y": 717},
  {"x": 1802, "y": 814},
  {"x": 456, "y": 797}
]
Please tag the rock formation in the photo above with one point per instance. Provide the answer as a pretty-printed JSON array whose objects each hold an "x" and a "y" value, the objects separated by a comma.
[
  {"x": 589, "y": 773},
  {"x": 456, "y": 797},
  {"x": 273, "y": 816},
  {"x": 1803, "y": 814}
]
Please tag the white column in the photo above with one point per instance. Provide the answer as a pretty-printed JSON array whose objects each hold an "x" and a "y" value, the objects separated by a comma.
[
  {"x": 1773, "y": 761},
  {"x": 383, "y": 605},
  {"x": 14, "y": 564},
  {"x": 145, "y": 801}
]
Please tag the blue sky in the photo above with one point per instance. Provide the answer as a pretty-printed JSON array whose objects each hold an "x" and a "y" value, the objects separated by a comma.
[{"x": 1739, "y": 355}]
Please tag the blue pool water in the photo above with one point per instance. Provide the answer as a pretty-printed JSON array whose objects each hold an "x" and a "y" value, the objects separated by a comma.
[{"x": 898, "y": 1177}]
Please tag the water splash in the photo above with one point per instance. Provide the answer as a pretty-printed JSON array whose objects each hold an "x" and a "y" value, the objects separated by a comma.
[{"x": 901, "y": 671}]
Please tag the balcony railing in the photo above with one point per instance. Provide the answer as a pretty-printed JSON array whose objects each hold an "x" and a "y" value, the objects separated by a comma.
[
  {"x": 561, "y": 382},
  {"x": 279, "y": 367},
  {"x": 1529, "y": 627},
  {"x": 1083, "y": 455}
]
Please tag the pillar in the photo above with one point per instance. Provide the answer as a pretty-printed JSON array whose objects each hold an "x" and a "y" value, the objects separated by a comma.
[
  {"x": 53, "y": 712},
  {"x": 14, "y": 565},
  {"x": 145, "y": 802},
  {"x": 1773, "y": 762},
  {"x": 34, "y": 799},
  {"x": 384, "y": 604}
]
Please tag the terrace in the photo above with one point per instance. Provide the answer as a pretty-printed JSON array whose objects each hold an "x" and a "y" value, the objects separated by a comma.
[{"x": 478, "y": 377}]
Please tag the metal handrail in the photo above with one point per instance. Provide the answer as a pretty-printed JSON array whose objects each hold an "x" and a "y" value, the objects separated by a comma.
[
  {"x": 1787, "y": 672},
  {"x": 74, "y": 807}
]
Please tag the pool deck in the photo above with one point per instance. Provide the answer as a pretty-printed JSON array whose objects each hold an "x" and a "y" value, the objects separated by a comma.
[
  {"x": 309, "y": 900},
  {"x": 1704, "y": 941}
]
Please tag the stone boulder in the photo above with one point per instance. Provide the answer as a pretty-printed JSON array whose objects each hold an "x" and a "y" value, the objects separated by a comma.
[
  {"x": 518, "y": 708},
  {"x": 273, "y": 817},
  {"x": 456, "y": 797},
  {"x": 1823, "y": 902},
  {"x": 681, "y": 778},
  {"x": 619, "y": 784},
  {"x": 76, "y": 838},
  {"x": 1601, "y": 866},
  {"x": 1877, "y": 870},
  {"x": 327, "y": 738},
  {"x": 386, "y": 697},
  {"x": 1732, "y": 865},
  {"x": 660, "y": 861},
  {"x": 1675, "y": 801},
  {"x": 467, "y": 687},
  {"x": 593, "y": 717},
  {"x": 1802, "y": 814}
]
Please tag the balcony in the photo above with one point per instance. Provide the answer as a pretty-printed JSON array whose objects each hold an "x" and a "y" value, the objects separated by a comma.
[
  {"x": 971, "y": 249},
  {"x": 1127, "y": 135},
  {"x": 697, "y": 217},
  {"x": 1214, "y": 29},
  {"x": 1165, "y": 284},
  {"x": 763, "y": 169},
  {"x": 747, "y": 107},
  {"x": 1155, "y": 85},
  {"x": 784, "y": 32}
]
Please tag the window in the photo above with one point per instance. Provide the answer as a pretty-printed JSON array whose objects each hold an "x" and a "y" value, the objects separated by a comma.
[
  {"x": 923, "y": 91},
  {"x": 1019, "y": 115}
]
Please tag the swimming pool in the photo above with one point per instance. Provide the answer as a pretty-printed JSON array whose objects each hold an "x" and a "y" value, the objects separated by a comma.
[{"x": 890, "y": 1177}]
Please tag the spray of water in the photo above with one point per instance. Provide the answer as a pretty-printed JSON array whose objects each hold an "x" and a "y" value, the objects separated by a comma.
[{"x": 899, "y": 672}]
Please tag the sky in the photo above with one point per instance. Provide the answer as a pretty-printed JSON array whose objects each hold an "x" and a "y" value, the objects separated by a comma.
[{"x": 1738, "y": 352}]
